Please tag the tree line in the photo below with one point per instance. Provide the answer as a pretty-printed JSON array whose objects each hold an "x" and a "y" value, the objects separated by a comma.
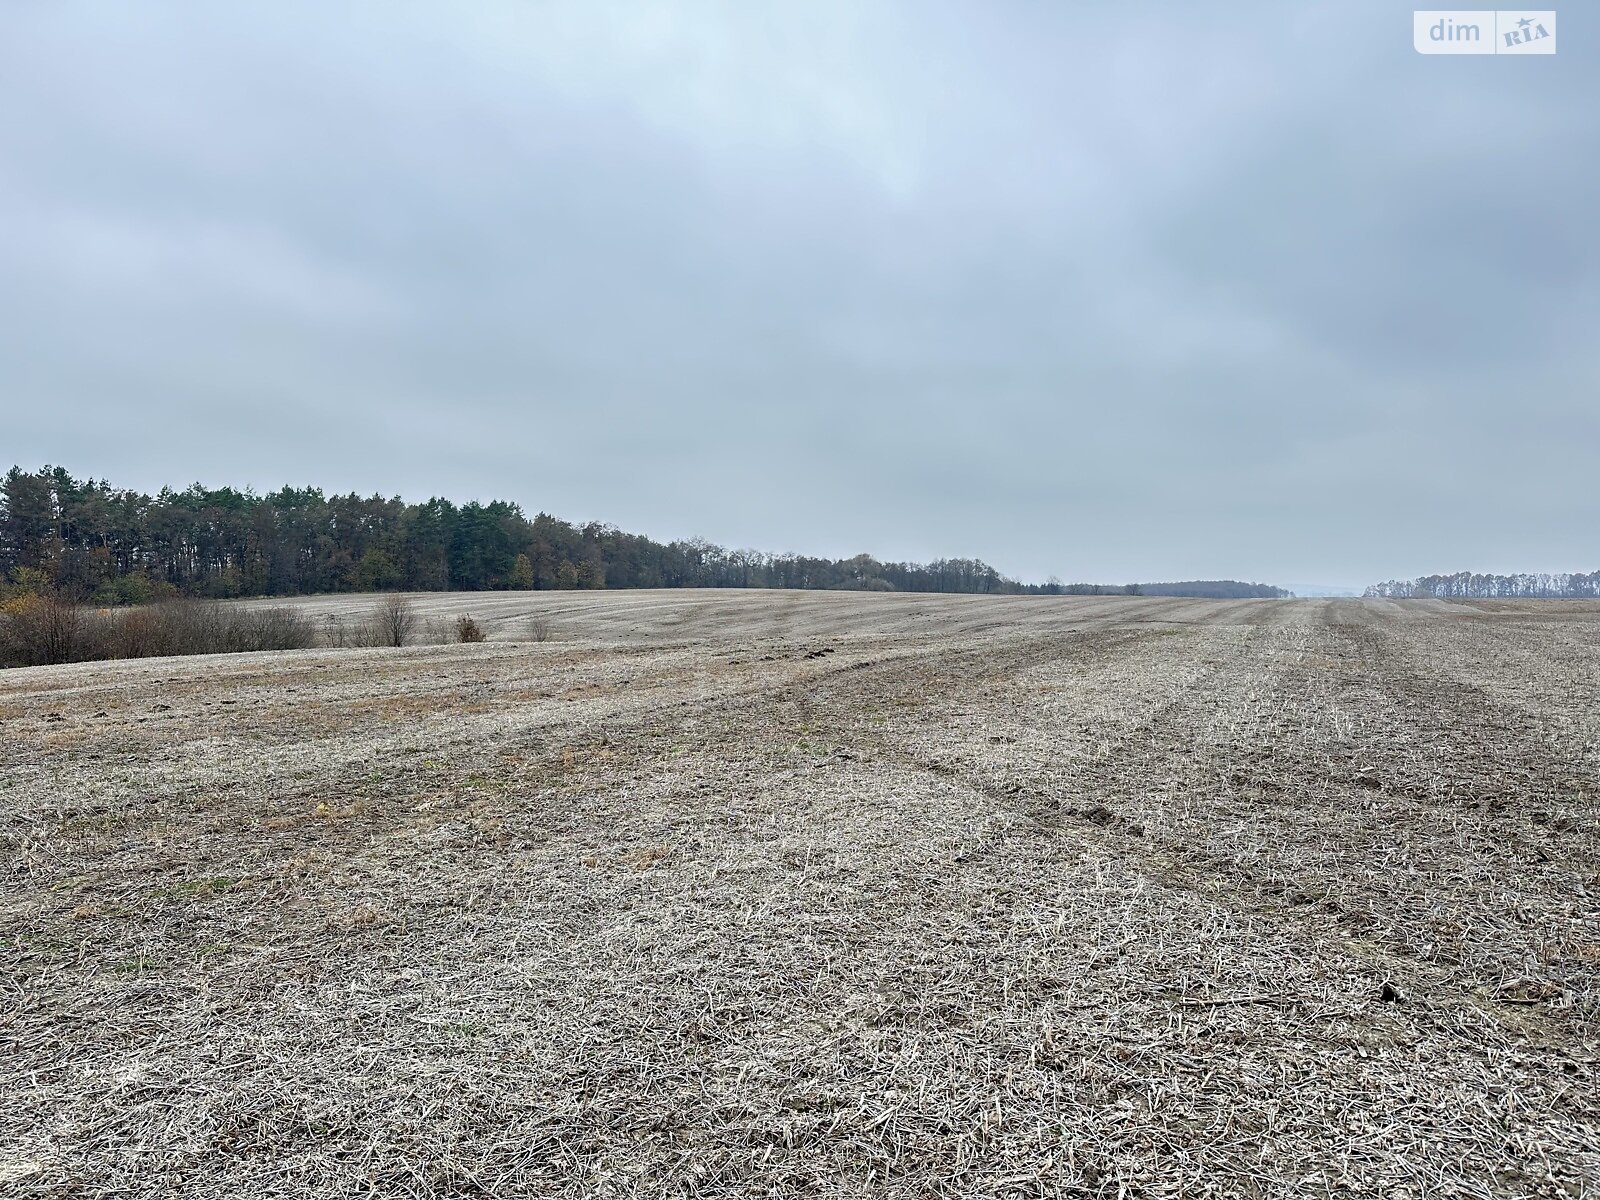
[
  {"x": 91, "y": 541},
  {"x": 1472, "y": 585},
  {"x": 114, "y": 545},
  {"x": 1216, "y": 589}
]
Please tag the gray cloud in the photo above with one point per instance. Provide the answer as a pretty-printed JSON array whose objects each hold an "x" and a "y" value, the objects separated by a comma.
[{"x": 1109, "y": 291}]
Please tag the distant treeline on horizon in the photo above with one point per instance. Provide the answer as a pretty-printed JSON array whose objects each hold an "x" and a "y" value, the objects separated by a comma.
[
  {"x": 116, "y": 546},
  {"x": 1469, "y": 585}
]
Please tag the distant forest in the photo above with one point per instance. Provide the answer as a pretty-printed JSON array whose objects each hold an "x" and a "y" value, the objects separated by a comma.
[
  {"x": 114, "y": 546},
  {"x": 1467, "y": 585},
  {"x": 1217, "y": 589}
]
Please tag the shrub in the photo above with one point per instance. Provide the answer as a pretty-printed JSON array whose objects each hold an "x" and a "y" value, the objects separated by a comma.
[
  {"x": 140, "y": 633},
  {"x": 468, "y": 630},
  {"x": 32, "y": 581},
  {"x": 190, "y": 627},
  {"x": 275, "y": 628},
  {"x": 394, "y": 621},
  {"x": 538, "y": 629},
  {"x": 40, "y": 628}
]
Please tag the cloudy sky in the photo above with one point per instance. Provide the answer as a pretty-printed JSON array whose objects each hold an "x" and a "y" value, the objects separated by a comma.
[{"x": 1145, "y": 289}]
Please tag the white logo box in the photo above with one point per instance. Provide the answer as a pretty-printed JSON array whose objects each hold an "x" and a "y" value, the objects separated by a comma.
[{"x": 1484, "y": 31}]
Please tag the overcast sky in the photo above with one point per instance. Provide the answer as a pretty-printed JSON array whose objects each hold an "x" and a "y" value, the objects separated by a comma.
[{"x": 1134, "y": 290}]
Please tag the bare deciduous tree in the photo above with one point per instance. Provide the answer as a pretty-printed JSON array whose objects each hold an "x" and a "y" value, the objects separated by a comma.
[{"x": 395, "y": 620}]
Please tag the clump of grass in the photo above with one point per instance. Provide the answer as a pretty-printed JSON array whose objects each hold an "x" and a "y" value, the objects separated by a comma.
[
  {"x": 137, "y": 965},
  {"x": 201, "y": 889}
]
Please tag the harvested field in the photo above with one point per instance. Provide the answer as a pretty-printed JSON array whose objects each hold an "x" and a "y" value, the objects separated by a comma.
[{"x": 755, "y": 894}]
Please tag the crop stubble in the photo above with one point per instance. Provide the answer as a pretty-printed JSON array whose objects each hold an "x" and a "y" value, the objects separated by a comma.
[{"x": 755, "y": 893}]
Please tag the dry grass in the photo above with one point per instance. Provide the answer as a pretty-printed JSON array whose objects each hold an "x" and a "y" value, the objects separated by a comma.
[{"x": 1081, "y": 897}]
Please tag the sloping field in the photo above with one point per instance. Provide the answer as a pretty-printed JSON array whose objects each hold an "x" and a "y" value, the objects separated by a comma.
[{"x": 757, "y": 894}]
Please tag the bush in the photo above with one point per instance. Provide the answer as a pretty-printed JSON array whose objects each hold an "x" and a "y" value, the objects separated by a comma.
[
  {"x": 276, "y": 628},
  {"x": 39, "y": 629},
  {"x": 133, "y": 589},
  {"x": 42, "y": 629},
  {"x": 538, "y": 629},
  {"x": 468, "y": 630},
  {"x": 394, "y": 621},
  {"x": 205, "y": 627},
  {"x": 187, "y": 627},
  {"x": 141, "y": 633}
]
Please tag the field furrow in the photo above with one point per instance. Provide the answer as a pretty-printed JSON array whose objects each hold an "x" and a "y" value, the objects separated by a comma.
[{"x": 723, "y": 894}]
